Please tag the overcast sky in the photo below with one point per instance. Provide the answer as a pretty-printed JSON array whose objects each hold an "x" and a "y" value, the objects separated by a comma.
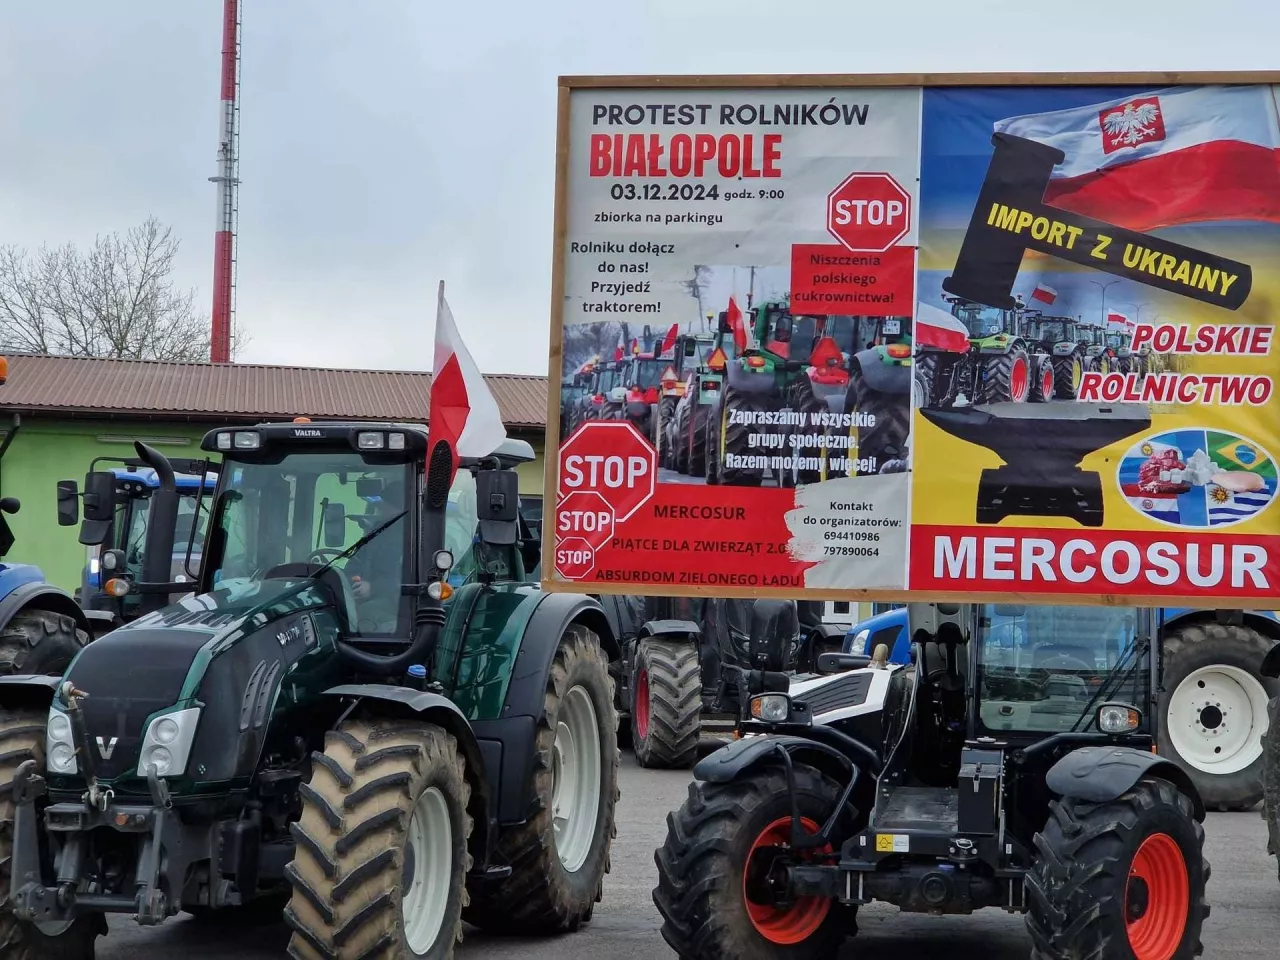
[{"x": 388, "y": 144}]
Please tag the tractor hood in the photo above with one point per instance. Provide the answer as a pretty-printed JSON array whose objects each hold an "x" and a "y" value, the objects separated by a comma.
[{"x": 220, "y": 653}]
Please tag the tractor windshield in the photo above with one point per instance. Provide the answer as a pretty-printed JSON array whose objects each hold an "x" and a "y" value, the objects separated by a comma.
[
  {"x": 647, "y": 373},
  {"x": 1044, "y": 669},
  {"x": 607, "y": 379},
  {"x": 288, "y": 512},
  {"x": 980, "y": 321},
  {"x": 1054, "y": 331},
  {"x": 1116, "y": 341}
]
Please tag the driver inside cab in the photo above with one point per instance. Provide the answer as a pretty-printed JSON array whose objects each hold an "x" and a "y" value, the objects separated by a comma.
[{"x": 376, "y": 569}]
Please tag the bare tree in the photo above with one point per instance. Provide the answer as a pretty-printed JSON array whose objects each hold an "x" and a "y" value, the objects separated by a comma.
[{"x": 117, "y": 299}]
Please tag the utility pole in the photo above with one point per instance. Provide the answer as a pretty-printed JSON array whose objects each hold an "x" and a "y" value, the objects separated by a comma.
[{"x": 224, "y": 240}]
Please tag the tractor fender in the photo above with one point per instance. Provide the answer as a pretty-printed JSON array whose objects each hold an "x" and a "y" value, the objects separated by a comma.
[
  {"x": 882, "y": 377},
  {"x": 671, "y": 628},
  {"x": 1101, "y": 774},
  {"x": 508, "y": 740},
  {"x": 748, "y": 382},
  {"x": 1271, "y": 663},
  {"x": 740, "y": 756},
  {"x": 444, "y": 712},
  {"x": 28, "y": 691},
  {"x": 42, "y": 596}
]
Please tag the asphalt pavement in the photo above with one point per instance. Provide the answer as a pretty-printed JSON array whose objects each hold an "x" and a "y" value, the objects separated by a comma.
[{"x": 1244, "y": 893}]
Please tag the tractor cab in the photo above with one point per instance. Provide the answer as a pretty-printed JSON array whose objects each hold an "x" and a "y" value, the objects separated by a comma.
[
  {"x": 121, "y": 504},
  {"x": 641, "y": 378},
  {"x": 606, "y": 392},
  {"x": 984, "y": 323}
]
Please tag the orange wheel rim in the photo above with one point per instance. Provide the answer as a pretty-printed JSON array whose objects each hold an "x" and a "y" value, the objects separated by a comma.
[
  {"x": 1157, "y": 899},
  {"x": 642, "y": 704},
  {"x": 799, "y": 921}
]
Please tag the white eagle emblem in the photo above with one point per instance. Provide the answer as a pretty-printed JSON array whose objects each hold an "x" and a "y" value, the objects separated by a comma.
[{"x": 1132, "y": 124}]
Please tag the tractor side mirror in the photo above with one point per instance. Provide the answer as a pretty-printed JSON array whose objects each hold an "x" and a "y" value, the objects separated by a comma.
[
  {"x": 368, "y": 487},
  {"x": 99, "y": 495},
  {"x": 782, "y": 328},
  {"x": 335, "y": 524},
  {"x": 498, "y": 506},
  {"x": 690, "y": 347},
  {"x": 68, "y": 503},
  {"x": 725, "y": 325}
]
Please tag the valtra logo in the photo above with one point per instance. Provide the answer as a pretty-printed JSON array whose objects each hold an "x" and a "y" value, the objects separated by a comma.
[{"x": 1131, "y": 124}]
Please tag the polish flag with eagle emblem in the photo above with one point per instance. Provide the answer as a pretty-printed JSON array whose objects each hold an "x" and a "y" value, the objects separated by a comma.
[{"x": 1165, "y": 157}]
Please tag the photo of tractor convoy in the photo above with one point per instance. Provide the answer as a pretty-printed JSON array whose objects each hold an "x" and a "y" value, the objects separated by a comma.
[
  {"x": 834, "y": 389},
  {"x": 848, "y": 383},
  {"x": 986, "y": 354}
]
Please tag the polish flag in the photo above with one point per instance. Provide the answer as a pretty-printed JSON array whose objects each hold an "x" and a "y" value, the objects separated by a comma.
[
  {"x": 742, "y": 336},
  {"x": 1165, "y": 157},
  {"x": 1044, "y": 293},
  {"x": 940, "y": 330},
  {"x": 669, "y": 341},
  {"x": 1118, "y": 320},
  {"x": 463, "y": 412}
]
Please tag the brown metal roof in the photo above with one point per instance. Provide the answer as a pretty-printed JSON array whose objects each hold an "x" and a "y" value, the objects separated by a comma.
[{"x": 214, "y": 391}]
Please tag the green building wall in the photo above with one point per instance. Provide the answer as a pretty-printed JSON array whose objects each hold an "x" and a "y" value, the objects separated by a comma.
[{"x": 48, "y": 449}]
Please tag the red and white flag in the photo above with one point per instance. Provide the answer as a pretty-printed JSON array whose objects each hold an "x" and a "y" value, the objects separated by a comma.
[
  {"x": 463, "y": 411},
  {"x": 1119, "y": 321},
  {"x": 1044, "y": 293},
  {"x": 1166, "y": 157},
  {"x": 940, "y": 330}
]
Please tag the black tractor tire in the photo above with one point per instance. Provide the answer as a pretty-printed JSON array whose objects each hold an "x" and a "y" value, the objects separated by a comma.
[
  {"x": 1193, "y": 647},
  {"x": 887, "y": 439},
  {"x": 39, "y": 642},
  {"x": 1067, "y": 372},
  {"x": 1079, "y": 887},
  {"x": 998, "y": 384},
  {"x": 1271, "y": 780},
  {"x": 734, "y": 441},
  {"x": 801, "y": 399},
  {"x": 22, "y": 738},
  {"x": 666, "y": 712},
  {"x": 541, "y": 896},
  {"x": 701, "y": 892},
  {"x": 355, "y": 850},
  {"x": 699, "y": 440},
  {"x": 924, "y": 381},
  {"x": 1043, "y": 380}
]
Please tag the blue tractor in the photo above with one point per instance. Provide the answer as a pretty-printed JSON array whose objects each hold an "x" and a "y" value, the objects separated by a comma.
[
  {"x": 1213, "y": 697},
  {"x": 120, "y": 505},
  {"x": 41, "y": 628}
]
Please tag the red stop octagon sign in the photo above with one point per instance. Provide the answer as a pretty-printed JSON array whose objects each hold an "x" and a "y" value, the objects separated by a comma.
[
  {"x": 575, "y": 558},
  {"x": 613, "y": 459},
  {"x": 587, "y": 515},
  {"x": 869, "y": 212}
]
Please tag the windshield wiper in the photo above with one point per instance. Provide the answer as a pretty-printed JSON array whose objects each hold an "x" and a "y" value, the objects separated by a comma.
[
  {"x": 1116, "y": 680},
  {"x": 359, "y": 543}
]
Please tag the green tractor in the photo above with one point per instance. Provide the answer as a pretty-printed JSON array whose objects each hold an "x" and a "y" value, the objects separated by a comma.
[
  {"x": 1120, "y": 343},
  {"x": 771, "y": 393},
  {"x": 364, "y": 716},
  {"x": 1099, "y": 354},
  {"x": 1060, "y": 339},
  {"x": 1003, "y": 363},
  {"x": 574, "y": 391},
  {"x": 703, "y": 360},
  {"x": 876, "y": 404}
]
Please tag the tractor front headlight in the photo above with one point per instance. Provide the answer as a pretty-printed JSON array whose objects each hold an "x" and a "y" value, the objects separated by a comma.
[
  {"x": 168, "y": 743},
  {"x": 1118, "y": 718},
  {"x": 59, "y": 744},
  {"x": 859, "y": 645},
  {"x": 771, "y": 707}
]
